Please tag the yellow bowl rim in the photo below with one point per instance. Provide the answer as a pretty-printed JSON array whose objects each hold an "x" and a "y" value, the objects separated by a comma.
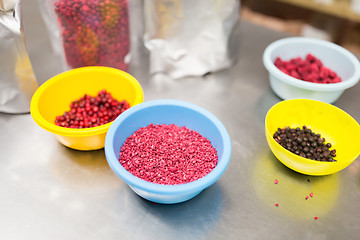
[{"x": 78, "y": 132}]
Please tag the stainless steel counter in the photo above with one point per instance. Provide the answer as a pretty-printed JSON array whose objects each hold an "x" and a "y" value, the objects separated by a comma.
[{"x": 48, "y": 191}]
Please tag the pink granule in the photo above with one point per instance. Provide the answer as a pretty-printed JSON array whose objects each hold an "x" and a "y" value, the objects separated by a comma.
[{"x": 168, "y": 154}]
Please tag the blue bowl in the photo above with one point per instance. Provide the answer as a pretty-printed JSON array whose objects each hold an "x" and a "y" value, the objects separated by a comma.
[{"x": 167, "y": 112}]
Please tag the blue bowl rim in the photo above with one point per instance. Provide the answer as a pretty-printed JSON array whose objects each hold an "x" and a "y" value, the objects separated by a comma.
[{"x": 154, "y": 188}]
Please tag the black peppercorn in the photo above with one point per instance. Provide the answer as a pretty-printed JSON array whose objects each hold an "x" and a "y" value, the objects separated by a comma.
[{"x": 305, "y": 143}]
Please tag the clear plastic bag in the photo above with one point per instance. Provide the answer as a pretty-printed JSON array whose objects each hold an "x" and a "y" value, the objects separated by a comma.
[{"x": 89, "y": 32}]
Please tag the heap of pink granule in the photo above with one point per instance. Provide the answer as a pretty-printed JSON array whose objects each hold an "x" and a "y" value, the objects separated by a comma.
[{"x": 168, "y": 154}]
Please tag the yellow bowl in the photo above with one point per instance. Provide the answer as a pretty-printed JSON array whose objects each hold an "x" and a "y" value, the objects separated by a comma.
[
  {"x": 53, "y": 98},
  {"x": 335, "y": 125}
]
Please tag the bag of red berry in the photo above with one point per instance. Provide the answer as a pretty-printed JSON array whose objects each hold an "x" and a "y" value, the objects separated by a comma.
[{"x": 89, "y": 32}]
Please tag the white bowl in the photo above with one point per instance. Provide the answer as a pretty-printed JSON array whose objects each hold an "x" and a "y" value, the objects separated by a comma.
[{"x": 338, "y": 59}]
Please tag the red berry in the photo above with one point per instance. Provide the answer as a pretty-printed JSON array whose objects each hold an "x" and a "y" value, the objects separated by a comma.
[
  {"x": 290, "y": 67},
  {"x": 310, "y": 58},
  {"x": 336, "y": 80},
  {"x": 297, "y": 61},
  {"x": 314, "y": 67},
  {"x": 278, "y": 62},
  {"x": 295, "y": 74},
  {"x": 85, "y": 112},
  {"x": 311, "y": 69}
]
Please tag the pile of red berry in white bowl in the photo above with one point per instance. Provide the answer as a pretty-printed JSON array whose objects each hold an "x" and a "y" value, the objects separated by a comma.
[{"x": 302, "y": 67}]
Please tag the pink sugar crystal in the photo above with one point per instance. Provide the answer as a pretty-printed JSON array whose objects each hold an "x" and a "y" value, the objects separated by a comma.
[{"x": 168, "y": 154}]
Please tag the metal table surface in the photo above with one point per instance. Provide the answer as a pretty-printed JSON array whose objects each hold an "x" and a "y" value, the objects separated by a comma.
[{"x": 48, "y": 191}]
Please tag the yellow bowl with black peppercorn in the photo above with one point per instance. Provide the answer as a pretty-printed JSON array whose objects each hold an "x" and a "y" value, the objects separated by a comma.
[{"x": 312, "y": 137}]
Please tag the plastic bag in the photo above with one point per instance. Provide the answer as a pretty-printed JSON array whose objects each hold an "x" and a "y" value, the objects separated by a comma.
[
  {"x": 89, "y": 32},
  {"x": 191, "y": 38},
  {"x": 17, "y": 79}
]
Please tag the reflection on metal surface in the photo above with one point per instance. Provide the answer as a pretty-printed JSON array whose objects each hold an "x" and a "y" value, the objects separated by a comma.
[
  {"x": 298, "y": 196},
  {"x": 84, "y": 171},
  {"x": 193, "y": 219}
]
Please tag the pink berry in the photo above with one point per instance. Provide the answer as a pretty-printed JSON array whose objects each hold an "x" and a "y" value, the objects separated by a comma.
[{"x": 311, "y": 70}]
